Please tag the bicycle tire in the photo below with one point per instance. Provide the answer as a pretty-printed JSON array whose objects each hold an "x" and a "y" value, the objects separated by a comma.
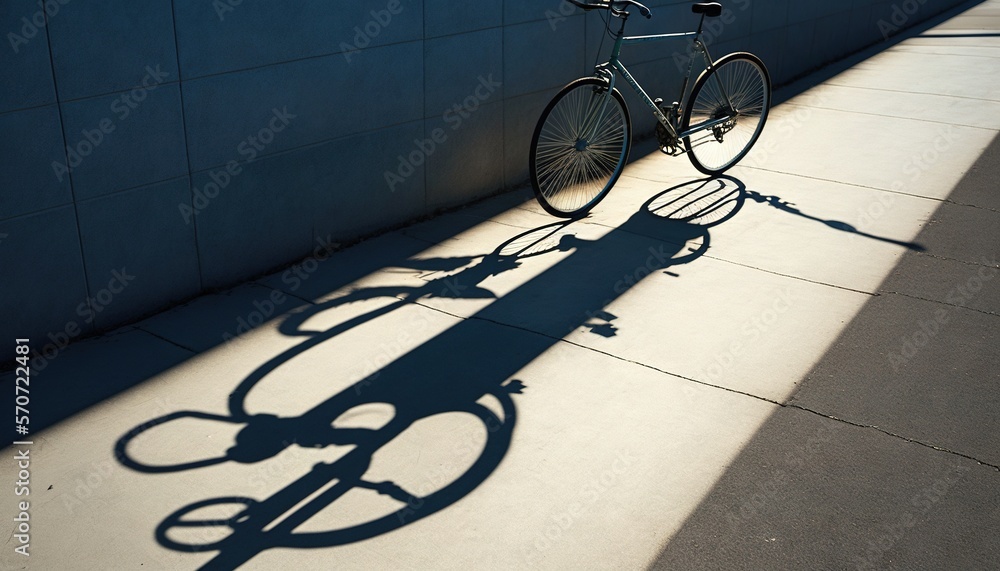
[
  {"x": 567, "y": 180},
  {"x": 750, "y": 91}
]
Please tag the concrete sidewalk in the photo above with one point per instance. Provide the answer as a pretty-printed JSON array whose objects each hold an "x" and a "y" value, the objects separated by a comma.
[{"x": 791, "y": 367}]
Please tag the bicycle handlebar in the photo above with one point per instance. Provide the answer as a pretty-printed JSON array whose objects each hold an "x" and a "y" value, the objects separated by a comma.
[{"x": 610, "y": 5}]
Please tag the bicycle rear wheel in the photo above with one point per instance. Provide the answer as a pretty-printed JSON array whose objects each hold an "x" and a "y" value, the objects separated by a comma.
[
  {"x": 739, "y": 79},
  {"x": 579, "y": 148}
]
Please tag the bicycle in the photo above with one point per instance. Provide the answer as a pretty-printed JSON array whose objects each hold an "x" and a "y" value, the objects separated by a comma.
[{"x": 582, "y": 140}]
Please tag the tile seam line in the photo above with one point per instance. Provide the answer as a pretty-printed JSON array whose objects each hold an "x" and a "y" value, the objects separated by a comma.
[
  {"x": 30, "y": 108},
  {"x": 97, "y": 197},
  {"x": 320, "y": 142},
  {"x": 187, "y": 152},
  {"x": 89, "y": 97},
  {"x": 421, "y": 39},
  {"x": 64, "y": 153}
]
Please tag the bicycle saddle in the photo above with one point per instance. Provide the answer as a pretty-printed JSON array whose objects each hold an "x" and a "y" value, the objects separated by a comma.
[{"x": 710, "y": 9}]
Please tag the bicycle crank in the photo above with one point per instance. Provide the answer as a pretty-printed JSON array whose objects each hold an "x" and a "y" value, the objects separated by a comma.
[
  {"x": 668, "y": 143},
  {"x": 722, "y": 128}
]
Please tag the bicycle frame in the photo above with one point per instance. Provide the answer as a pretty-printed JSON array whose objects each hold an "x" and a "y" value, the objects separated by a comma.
[{"x": 615, "y": 63}]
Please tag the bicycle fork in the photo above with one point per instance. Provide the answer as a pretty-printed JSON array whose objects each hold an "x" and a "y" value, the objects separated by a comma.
[{"x": 592, "y": 122}]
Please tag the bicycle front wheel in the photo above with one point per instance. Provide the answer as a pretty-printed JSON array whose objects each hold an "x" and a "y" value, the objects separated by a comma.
[
  {"x": 737, "y": 87},
  {"x": 579, "y": 148}
]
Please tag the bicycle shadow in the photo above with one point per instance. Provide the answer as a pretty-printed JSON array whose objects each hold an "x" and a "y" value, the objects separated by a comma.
[
  {"x": 476, "y": 382},
  {"x": 785, "y": 206}
]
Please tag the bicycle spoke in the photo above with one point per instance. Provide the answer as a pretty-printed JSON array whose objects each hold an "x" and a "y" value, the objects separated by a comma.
[
  {"x": 718, "y": 147},
  {"x": 580, "y": 148}
]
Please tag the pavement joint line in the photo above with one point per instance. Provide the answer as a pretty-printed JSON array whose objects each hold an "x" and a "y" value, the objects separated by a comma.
[
  {"x": 514, "y": 226},
  {"x": 892, "y": 434},
  {"x": 647, "y": 179},
  {"x": 937, "y": 54},
  {"x": 922, "y": 44},
  {"x": 799, "y": 278},
  {"x": 855, "y": 112},
  {"x": 506, "y": 224},
  {"x": 288, "y": 293},
  {"x": 639, "y": 235},
  {"x": 948, "y": 95},
  {"x": 706, "y": 255},
  {"x": 168, "y": 340},
  {"x": 984, "y": 312},
  {"x": 856, "y": 185},
  {"x": 404, "y": 232},
  {"x": 599, "y": 351},
  {"x": 727, "y": 389},
  {"x": 966, "y": 262},
  {"x": 911, "y": 195}
]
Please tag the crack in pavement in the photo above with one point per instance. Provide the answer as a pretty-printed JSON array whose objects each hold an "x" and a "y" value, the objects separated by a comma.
[
  {"x": 983, "y": 311},
  {"x": 894, "y": 435}
]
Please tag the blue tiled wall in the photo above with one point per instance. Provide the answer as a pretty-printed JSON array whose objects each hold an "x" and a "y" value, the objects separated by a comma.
[{"x": 155, "y": 150}]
